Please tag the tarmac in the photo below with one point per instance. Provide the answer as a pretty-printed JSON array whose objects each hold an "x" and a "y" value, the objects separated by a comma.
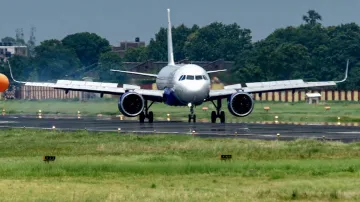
[{"x": 278, "y": 131}]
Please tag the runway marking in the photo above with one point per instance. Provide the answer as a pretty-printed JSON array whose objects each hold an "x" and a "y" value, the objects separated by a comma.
[
  {"x": 4, "y": 122},
  {"x": 349, "y": 132}
]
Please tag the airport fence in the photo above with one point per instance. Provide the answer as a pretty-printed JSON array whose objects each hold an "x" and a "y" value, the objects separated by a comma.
[{"x": 41, "y": 93}]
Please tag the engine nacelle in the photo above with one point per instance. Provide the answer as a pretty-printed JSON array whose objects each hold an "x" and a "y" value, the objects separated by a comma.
[
  {"x": 131, "y": 104},
  {"x": 240, "y": 104}
]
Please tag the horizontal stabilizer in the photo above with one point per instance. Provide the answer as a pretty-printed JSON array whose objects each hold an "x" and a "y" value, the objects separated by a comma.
[
  {"x": 214, "y": 71},
  {"x": 137, "y": 73}
]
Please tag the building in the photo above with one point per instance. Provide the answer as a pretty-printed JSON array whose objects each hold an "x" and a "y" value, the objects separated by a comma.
[
  {"x": 124, "y": 45},
  {"x": 313, "y": 98},
  {"x": 8, "y": 50}
]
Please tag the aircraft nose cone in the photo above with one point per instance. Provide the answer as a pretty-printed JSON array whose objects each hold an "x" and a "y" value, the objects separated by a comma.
[{"x": 193, "y": 93}]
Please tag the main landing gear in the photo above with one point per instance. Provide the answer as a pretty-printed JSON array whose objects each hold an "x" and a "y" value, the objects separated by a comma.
[
  {"x": 218, "y": 113},
  {"x": 192, "y": 116},
  {"x": 146, "y": 114}
]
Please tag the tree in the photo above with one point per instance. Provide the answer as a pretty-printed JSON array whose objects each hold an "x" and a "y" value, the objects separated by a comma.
[
  {"x": 312, "y": 17},
  {"x": 87, "y": 46},
  {"x": 139, "y": 54},
  {"x": 217, "y": 41},
  {"x": 157, "y": 49},
  {"x": 8, "y": 40},
  {"x": 54, "y": 60},
  {"x": 23, "y": 68},
  {"x": 110, "y": 60}
]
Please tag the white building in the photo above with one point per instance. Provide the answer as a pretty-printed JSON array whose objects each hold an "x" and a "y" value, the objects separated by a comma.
[
  {"x": 8, "y": 50},
  {"x": 313, "y": 98}
]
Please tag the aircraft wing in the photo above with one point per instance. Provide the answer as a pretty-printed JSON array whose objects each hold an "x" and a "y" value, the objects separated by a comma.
[
  {"x": 99, "y": 87},
  {"x": 96, "y": 87},
  {"x": 258, "y": 87}
]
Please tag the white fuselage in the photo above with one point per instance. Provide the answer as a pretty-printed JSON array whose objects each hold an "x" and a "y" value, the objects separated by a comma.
[{"x": 189, "y": 83}]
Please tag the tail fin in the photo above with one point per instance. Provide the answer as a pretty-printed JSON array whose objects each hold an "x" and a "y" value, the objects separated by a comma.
[{"x": 169, "y": 42}]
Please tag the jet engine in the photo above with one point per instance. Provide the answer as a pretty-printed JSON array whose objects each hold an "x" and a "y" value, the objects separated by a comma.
[
  {"x": 131, "y": 104},
  {"x": 240, "y": 104}
]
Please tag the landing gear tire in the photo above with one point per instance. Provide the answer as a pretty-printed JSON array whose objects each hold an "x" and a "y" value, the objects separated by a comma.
[
  {"x": 142, "y": 117},
  {"x": 145, "y": 114},
  {"x": 192, "y": 118},
  {"x": 222, "y": 117},
  {"x": 217, "y": 114},
  {"x": 213, "y": 117},
  {"x": 151, "y": 117}
]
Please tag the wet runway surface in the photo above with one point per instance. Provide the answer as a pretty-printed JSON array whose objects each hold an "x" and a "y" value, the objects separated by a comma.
[{"x": 229, "y": 130}]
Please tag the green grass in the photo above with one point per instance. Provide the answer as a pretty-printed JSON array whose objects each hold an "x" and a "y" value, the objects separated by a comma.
[
  {"x": 93, "y": 166},
  {"x": 287, "y": 112}
]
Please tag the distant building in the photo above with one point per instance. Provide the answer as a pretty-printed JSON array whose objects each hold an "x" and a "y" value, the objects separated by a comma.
[
  {"x": 124, "y": 45},
  {"x": 7, "y": 50}
]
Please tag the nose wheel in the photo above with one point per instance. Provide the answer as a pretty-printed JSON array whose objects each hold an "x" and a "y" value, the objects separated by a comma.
[
  {"x": 192, "y": 116},
  {"x": 217, "y": 114},
  {"x": 146, "y": 114}
]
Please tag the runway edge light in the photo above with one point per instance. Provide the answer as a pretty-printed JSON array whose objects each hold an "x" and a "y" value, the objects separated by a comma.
[
  {"x": 39, "y": 114},
  {"x": 276, "y": 119}
]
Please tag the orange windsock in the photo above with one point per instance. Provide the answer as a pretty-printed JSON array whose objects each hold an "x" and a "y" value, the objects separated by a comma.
[{"x": 4, "y": 83}]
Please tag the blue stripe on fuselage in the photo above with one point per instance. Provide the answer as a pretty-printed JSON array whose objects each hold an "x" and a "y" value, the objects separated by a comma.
[{"x": 171, "y": 99}]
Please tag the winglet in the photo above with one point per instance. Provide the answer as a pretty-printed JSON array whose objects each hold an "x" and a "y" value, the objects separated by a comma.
[
  {"x": 169, "y": 42},
  {"x": 11, "y": 74},
  {"x": 346, "y": 72}
]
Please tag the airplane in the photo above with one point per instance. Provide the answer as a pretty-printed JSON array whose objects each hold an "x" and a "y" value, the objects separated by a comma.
[{"x": 181, "y": 85}]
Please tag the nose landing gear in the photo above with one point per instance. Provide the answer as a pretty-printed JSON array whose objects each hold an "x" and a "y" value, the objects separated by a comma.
[
  {"x": 146, "y": 114},
  {"x": 192, "y": 116},
  {"x": 218, "y": 113}
]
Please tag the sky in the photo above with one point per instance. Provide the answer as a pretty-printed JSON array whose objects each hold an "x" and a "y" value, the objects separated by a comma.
[{"x": 123, "y": 20}]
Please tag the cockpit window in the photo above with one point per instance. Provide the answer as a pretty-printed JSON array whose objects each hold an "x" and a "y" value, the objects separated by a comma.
[
  {"x": 182, "y": 77},
  {"x": 189, "y": 77},
  {"x": 198, "y": 77},
  {"x": 205, "y": 78}
]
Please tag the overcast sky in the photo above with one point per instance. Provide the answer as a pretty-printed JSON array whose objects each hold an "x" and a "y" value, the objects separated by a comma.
[{"x": 120, "y": 20}]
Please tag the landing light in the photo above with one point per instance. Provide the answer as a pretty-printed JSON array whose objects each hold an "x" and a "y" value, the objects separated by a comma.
[{"x": 189, "y": 105}]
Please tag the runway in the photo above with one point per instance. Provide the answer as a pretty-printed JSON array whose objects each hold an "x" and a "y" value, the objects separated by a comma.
[{"x": 229, "y": 130}]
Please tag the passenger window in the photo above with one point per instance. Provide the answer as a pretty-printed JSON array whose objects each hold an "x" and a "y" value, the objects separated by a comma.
[
  {"x": 198, "y": 77},
  {"x": 189, "y": 77}
]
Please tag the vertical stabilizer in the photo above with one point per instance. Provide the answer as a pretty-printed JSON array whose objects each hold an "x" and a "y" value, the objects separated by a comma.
[{"x": 169, "y": 42}]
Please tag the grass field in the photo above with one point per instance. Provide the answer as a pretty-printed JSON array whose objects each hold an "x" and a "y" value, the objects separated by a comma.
[
  {"x": 92, "y": 166},
  {"x": 293, "y": 112}
]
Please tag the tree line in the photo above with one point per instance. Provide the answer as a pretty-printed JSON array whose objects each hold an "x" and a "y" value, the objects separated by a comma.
[{"x": 310, "y": 51}]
